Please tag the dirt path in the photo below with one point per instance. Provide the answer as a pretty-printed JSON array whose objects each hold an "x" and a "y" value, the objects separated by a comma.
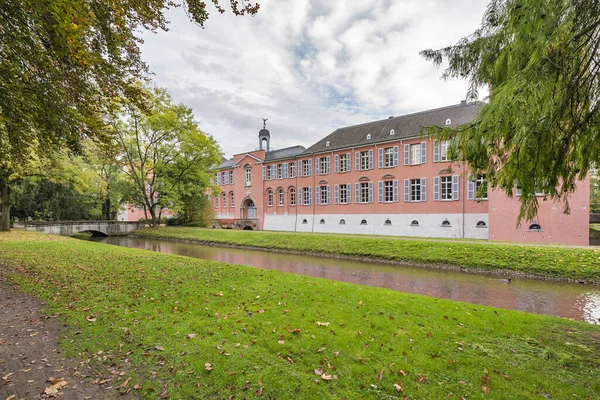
[{"x": 31, "y": 365}]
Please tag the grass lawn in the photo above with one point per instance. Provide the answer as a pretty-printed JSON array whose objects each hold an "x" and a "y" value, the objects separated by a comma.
[
  {"x": 553, "y": 261},
  {"x": 186, "y": 328}
]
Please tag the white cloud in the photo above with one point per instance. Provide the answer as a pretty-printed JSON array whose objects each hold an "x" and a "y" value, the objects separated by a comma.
[{"x": 309, "y": 66}]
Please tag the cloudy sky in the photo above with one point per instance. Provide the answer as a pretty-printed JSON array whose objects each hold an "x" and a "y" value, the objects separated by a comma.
[{"x": 309, "y": 66}]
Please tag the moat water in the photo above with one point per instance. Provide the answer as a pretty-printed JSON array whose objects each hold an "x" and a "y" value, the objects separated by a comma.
[{"x": 567, "y": 300}]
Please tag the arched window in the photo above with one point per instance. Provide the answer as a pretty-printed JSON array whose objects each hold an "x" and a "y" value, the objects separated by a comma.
[
  {"x": 414, "y": 223},
  {"x": 280, "y": 196},
  {"x": 292, "y": 196},
  {"x": 387, "y": 222},
  {"x": 535, "y": 228},
  {"x": 248, "y": 174},
  {"x": 481, "y": 224},
  {"x": 216, "y": 201},
  {"x": 392, "y": 132},
  {"x": 322, "y": 222},
  {"x": 224, "y": 200},
  {"x": 232, "y": 200},
  {"x": 448, "y": 122},
  {"x": 446, "y": 223},
  {"x": 363, "y": 222},
  {"x": 342, "y": 221},
  {"x": 328, "y": 143},
  {"x": 369, "y": 136},
  {"x": 270, "y": 198}
]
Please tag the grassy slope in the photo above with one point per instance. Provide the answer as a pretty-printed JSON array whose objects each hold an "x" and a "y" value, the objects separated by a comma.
[
  {"x": 145, "y": 304},
  {"x": 552, "y": 261}
]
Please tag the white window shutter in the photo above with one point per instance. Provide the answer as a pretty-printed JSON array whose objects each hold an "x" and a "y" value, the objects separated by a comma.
[
  {"x": 357, "y": 163},
  {"x": 436, "y": 188},
  {"x": 336, "y": 164},
  {"x": 471, "y": 189},
  {"x": 300, "y": 196},
  {"x": 436, "y": 151},
  {"x": 371, "y": 159},
  {"x": 318, "y": 166},
  {"x": 273, "y": 171},
  {"x": 336, "y": 194},
  {"x": 318, "y": 195},
  {"x": 395, "y": 191},
  {"x": 370, "y": 192},
  {"x": 357, "y": 193},
  {"x": 310, "y": 195},
  {"x": 380, "y": 157},
  {"x": 328, "y": 194},
  {"x": 395, "y": 156},
  {"x": 423, "y": 152},
  {"x": 328, "y": 164},
  {"x": 380, "y": 191},
  {"x": 219, "y": 178},
  {"x": 423, "y": 189},
  {"x": 310, "y": 168},
  {"x": 299, "y": 168},
  {"x": 406, "y": 154},
  {"x": 285, "y": 170},
  {"x": 264, "y": 172},
  {"x": 455, "y": 187},
  {"x": 349, "y": 161},
  {"x": 406, "y": 190}
]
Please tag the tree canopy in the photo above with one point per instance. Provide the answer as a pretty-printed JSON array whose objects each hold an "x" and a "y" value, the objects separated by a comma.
[
  {"x": 64, "y": 64},
  {"x": 541, "y": 126}
]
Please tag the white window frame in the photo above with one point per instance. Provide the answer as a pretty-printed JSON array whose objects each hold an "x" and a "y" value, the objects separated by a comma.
[
  {"x": 388, "y": 154},
  {"x": 344, "y": 162},
  {"x": 281, "y": 197},
  {"x": 479, "y": 181},
  {"x": 388, "y": 191},
  {"x": 248, "y": 175},
  {"x": 364, "y": 160},
  {"x": 446, "y": 188},
  {"x": 269, "y": 198},
  {"x": 292, "y": 197},
  {"x": 364, "y": 192},
  {"x": 344, "y": 194},
  {"x": 224, "y": 201},
  {"x": 293, "y": 169},
  {"x": 415, "y": 189},
  {"x": 324, "y": 195},
  {"x": 415, "y": 154},
  {"x": 232, "y": 200},
  {"x": 444, "y": 144},
  {"x": 279, "y": 171},
  {"x": 305, "y": 169},
  {"x": 306, "y": 197}
]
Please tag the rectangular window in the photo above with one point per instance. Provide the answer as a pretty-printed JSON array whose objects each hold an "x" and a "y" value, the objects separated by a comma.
[
  {"x": 306, "y": 195},
  {"x": 217, "y": 202},
  {"x": 388, "y": 191},
  {"x": 232, "y": 202},
  {"x": 364, "y": 192},
  {"x": 344, "y": 162},
  {"x": 281, "y": 197},
  {"x": 270, "y": 198},
  {"x": 389, "y": 157},
  {"x": 248, "y": 171},
  {"x": 269, "y": 175},
  {"x": 444, "y": 150},
  {"x": 344, "y": 194},
  {"x": 323, "y": 166},
  {"x": 415, "y": 189},
  {"x": 305, "y": 168},
  {"x": 364, "y": 160},
  {"x": 446, "y": 188},
  {"x": 482, "y": 181},
  {"x": 292, "y": 170},
  {"x": 279, "y": 171},
  {"x": 224, "y": 200},
  {"x": 231, "y": 177},
  {"x": 324, "y": 195},
  {"x": 292, "y": 197},
  {"x": 415, "y": 154}
]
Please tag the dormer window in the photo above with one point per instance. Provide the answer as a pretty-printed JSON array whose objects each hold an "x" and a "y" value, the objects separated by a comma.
[
  {"x": 328, "y": 143},
  {"x": 369, "y": 136},
  {"x": 392, "y": 132},
  {"x": 448, "y": 122}
]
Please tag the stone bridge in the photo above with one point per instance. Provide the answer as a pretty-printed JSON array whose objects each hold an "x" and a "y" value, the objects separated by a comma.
[{"x": 96, "y": 228}]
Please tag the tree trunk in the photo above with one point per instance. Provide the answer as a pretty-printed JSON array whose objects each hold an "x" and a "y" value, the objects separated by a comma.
[
  {"x": 153, "y": 216},
  {"x": 106, "y": 208},
  {"x": 4, "y": 206}
]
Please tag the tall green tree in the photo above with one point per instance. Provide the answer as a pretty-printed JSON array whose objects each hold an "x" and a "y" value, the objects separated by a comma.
[
  {"x": 166, "y": 155},
  {"x": 62, "y": 63},
  {"x": 541, "y": 126}
]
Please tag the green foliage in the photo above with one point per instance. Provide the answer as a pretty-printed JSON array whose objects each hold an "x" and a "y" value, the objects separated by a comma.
[
  {"x": 539, "y": 260},
  {"x": 541, "y": 127},
  {"x": 64, "y": 65},
  {"x": 184, "y": 328},
  {"x": 594, "y": 194},
  {"x": 167, "y": 157},
  {"x": 193, "y": 210}
]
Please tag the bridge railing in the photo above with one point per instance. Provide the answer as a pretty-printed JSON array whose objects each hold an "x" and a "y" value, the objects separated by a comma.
[{"x": 42, "y": 223}]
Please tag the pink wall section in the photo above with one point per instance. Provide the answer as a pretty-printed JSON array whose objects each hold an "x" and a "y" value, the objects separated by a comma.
[{"x": 557, "y": 227}]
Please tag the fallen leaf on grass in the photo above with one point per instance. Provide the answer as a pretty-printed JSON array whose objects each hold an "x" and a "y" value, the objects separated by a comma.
[
  {"x": 398, "y": 387},
  {"x": 208, "y": 366},
  {"x": 319, "y": 371},
  {"x": 322, "y": 323},
  {"x": 91, "y": 318},
  {"x": 159, "y": 348},
  {"x": 55, "y": 385},
  {"x": 191, "y": 335},
  {"x": 380, "y": 375},
  {"x": 125, "y": 383},
  {"x": 485, "y": 389},
  {"x": 326, "y": 377},
  {"x": 259, "y": 393}
]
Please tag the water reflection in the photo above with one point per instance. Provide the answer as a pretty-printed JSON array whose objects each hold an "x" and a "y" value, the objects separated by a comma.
[{"x": 553, "y": 298}]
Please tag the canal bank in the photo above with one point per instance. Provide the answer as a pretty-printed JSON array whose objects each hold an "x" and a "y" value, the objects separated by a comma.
[
  {"x": 569, "y": 264},
  {"x": 567, "y": 300}
]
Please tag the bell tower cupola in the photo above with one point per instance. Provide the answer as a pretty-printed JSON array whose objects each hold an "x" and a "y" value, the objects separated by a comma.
[{"x": 264, "y": 137}]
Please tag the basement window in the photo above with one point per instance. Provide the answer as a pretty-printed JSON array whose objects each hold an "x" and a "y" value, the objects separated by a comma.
[
  {"x": 342, "y": 221},
  {"x": 446, "y": 223},
  {"x": 414, "y": 223},
  {"x": 363, "y": 222},
  {"x": 387, "y": 222},
  {"x": 481, "y": 224},
  {"x": 322, "y": 222},
  {"x": 535, "y": 228},
  {"x": 304, "y": 221}
]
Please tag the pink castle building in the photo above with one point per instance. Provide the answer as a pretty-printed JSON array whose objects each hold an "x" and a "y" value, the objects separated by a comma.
[{"x": 383, "y": 178}]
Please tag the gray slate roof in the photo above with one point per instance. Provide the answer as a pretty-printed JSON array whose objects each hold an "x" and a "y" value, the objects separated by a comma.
[
  {"x": 226, "y": 164},
  {"x": 405, "y": 127},
  {"x": 288, "y": 152}
]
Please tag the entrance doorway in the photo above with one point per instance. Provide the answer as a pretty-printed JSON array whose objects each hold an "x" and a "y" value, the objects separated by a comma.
[{"x": 248, "y": 209}]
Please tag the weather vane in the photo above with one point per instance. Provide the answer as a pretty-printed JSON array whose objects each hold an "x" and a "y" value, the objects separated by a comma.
[{"x": 265, "y": 122}]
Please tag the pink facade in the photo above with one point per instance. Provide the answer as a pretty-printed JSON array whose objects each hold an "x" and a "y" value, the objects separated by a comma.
[{"x": 382, "y": 178}]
